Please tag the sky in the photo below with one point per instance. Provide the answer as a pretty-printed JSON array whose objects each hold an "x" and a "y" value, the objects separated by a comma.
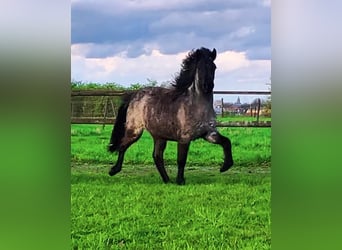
[{"x": 134, "y": 41}]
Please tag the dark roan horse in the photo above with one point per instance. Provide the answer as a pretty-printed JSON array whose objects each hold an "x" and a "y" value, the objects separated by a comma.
[{"x": 181, "y": 113}]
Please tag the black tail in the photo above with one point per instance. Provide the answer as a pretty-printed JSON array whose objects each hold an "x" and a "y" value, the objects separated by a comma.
[{"x": 120, "y": 122}]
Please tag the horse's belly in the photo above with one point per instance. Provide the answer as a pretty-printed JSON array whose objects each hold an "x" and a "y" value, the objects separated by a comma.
[
  {"x": 161, "y": 129},
  {"x": 175, "y": 133}
]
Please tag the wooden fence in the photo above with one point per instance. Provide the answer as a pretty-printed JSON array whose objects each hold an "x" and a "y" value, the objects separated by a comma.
[{"x": 109, "y": 117}]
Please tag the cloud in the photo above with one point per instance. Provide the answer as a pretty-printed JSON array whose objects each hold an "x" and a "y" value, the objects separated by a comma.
[
  {"x": 133, "y": 25},
  {"x": 125, "y": 70},
  {"x": 231, "y": 67},
  {"x": 129, "y": 41},
  {"x": 266, "y": 3},
  {"x": 229, "y": 60}
]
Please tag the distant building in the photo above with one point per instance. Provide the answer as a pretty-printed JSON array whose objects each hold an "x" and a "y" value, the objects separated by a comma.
[
  {"x": 238, "y": 108},
  {"x": 235, "y": 108},
  {"x": 237, "y": 101},
  {"x": 218, "y": 107}
]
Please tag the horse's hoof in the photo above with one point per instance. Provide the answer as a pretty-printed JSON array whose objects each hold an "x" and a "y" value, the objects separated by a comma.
[
  {"x": 113, "y": 171},
  {"x": 180, "y": 181},
  {"x": 225, "y": 167},
  {"x": 166, "y": 181}
]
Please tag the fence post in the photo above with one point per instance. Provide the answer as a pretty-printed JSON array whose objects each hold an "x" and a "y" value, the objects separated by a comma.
[
  {"x": 105, "y": 113},
  {"x": 258, "y": 112}
]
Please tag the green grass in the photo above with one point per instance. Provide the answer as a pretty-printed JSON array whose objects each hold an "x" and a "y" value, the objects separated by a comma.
[
  {"x": 241, "y": 118},
  {"x": 249, "y": 146},
  {"x": 135, "y": 210}
]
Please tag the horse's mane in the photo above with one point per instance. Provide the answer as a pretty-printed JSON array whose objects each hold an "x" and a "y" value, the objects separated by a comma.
[{"x": 185, "y": 77}]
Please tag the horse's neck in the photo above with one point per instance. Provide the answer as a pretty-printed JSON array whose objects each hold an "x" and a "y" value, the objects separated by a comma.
[
  {"x": 198, "y": 96},
  {"x": 202, "y": 100}
]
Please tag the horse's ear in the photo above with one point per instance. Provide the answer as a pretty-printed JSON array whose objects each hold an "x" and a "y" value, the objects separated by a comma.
[{"x": 213, "y": 54}]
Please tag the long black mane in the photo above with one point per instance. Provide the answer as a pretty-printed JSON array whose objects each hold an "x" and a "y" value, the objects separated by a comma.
[{"x": 187, "y": 73}]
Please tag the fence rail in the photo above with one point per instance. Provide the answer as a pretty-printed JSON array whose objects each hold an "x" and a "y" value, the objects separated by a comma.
[{"x": 110, "y": 120}]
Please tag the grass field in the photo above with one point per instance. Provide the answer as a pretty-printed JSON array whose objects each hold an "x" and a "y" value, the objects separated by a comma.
[{"x": 135, "y": 210}]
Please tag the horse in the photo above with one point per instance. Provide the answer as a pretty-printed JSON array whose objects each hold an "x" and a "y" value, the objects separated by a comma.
[{"x": 183, "y": 112}]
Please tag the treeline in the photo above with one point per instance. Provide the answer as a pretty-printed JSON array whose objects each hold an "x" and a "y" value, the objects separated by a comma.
[
  {"x": 79, "y": 85},
  {"x": 100, "y": 106}
]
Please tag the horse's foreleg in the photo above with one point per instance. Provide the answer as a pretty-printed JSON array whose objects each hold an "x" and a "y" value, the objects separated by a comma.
[
  {"x": 216, "y": 138},
  {"x": 127, "y": 141},
  {"x": 181, "y": 161},
  {"x": 158, "y": 152}
]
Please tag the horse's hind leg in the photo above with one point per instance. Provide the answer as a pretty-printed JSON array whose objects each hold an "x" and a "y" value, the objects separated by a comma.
[
  {"x": 158, "y": 152},
  {"x": 216, "y": 138},
  {"x": 182, "y": 154},
  {"x": 126, "y": 142},
  {"x": 117, "y": 167}
]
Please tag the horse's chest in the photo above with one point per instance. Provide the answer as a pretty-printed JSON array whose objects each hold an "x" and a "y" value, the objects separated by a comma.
[{"x": 194, "y": 129}]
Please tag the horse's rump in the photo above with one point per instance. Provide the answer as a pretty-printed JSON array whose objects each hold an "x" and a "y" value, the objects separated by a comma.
[{"x": 118, "y": 131}]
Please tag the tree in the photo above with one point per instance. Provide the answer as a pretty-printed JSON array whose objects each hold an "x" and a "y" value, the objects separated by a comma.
[{"x": 268, "y": 103}]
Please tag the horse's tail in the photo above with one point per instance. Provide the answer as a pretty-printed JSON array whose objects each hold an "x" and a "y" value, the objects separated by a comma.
[{"x": 118, "y": 131}]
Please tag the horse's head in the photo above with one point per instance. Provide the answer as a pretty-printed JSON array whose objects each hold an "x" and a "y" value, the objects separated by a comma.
[
  {"x": 198, "y": 72},
  {"x": 205, "y": 70}
]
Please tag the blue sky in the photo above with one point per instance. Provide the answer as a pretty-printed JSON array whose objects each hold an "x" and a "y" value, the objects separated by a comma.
[{"x": 130, "y": 41}]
